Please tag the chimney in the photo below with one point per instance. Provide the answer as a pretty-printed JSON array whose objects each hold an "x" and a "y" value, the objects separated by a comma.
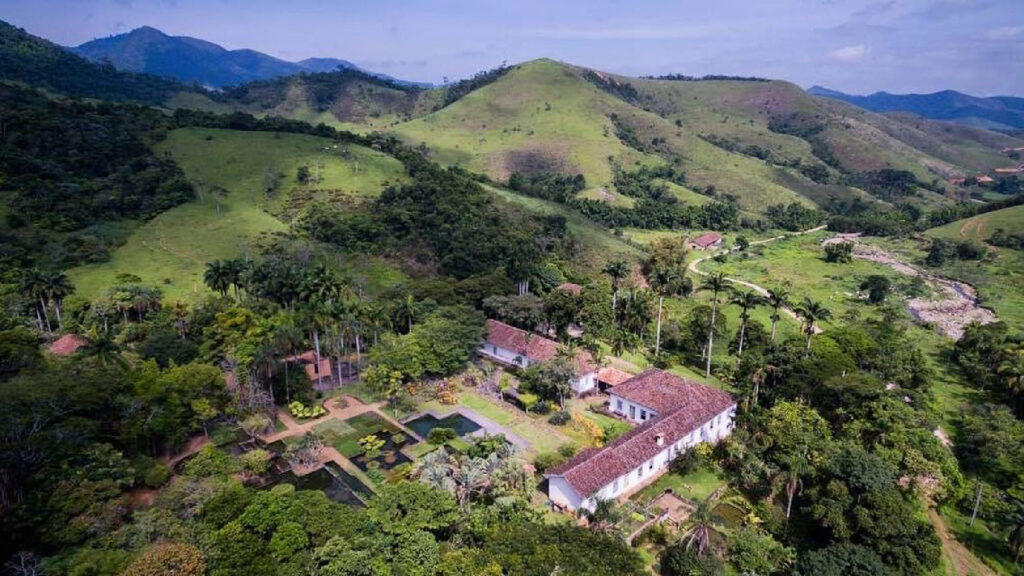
[{"x": 660, "y": 439}]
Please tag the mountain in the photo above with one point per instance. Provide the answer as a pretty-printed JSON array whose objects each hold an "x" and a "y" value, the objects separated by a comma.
[
  {"x": 27, "y": 59},
  {"x": 1003, "y": 113},
  {"x": 195, "y": 61}
]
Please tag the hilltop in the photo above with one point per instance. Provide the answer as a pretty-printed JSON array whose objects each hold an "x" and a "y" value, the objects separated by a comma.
[
  {"x": 1003, "y": 113},
  {"x": 192, "y": 60}
]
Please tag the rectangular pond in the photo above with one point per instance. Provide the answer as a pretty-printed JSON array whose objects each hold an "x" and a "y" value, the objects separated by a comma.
[
  {"x": 462, "y": 425},
  {"x": 336, "y": 483}
]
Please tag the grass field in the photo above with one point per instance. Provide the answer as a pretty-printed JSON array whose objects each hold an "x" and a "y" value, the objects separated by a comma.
[
  {"x": 980, "y": 228},
  {"x": 232, "y": 210}
]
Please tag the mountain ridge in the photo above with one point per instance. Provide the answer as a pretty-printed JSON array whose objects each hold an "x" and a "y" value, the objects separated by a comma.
[
  {"x": 1003, "y": 113},
  {"x": 197, "y": 61}
]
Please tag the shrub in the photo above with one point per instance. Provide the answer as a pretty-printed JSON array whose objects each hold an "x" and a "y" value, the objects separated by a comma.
[
  {"x": 375, "y": 475},
  {"x": 566, "y": 450},
  {"x": 371, "y": 445},
  {"x": 209, "y": 462},
  {"x": 528, "y": 401},
  {"x": 686, "y": 462},
  {"x": 655, "y": 534},
  {"x": 256, "y": 462},
  {"x": 840, "y": 253},
  {"x": 560, "y": 418},
  {"x": 542, "y": 407},
  {"x": 439, "y": 436},
  {"x": 300, "y": 410},
  {"x": 151, "y": 473},
  {"x": 398, "y": 438},
  {"x": 547, "y": 460}
]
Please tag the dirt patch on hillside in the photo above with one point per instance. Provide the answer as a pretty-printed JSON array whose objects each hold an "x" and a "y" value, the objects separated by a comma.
[{"x": 950, "y": 313}]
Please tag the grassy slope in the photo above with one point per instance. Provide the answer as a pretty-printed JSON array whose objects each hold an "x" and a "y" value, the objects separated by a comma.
[
  {"x": 172, "y": 249},
  {"x": 979, "y": 228}
]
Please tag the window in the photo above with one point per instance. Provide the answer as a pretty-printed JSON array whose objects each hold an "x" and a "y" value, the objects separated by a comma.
[
  {"x": 616, "y": 489},
  {"x": 618, "y": 405},
  {"x": 639, "y": 472},
  {"x": 650, "y": 465},
  {"x": 632, "y": 412},
  {"x": 643, "y": 414}
]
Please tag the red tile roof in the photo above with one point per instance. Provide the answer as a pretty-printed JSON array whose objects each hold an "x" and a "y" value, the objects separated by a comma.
[
  {"x": 67, "y": 344},
  {"x": 612, "y": 376},
  {"x": 593, "y": 469},
  {"x": 570, "y": 287},
  {"x": 705, "y": 240},
  {"x": 308, "y": 360},
  {"x": 532, "y": 346},
  {"x": 656, "y": 389}
]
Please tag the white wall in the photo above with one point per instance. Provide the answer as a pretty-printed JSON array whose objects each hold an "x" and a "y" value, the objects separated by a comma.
[
  {"x": 639, "y": 413},
  {"x": 507, "y": 356},
  {"x": 712, "y": 431},
  {"x": 585, "y": 383}
]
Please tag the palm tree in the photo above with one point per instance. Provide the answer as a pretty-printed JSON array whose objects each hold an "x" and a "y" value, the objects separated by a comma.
[
  {"x": 616, "y": 270},
  {"x": 792, "y": 478},
  {"x": 406, "y": 311},
  {"x": 747, "y": 301},
  {"x": 705, "y": 522},
  {"x": 663, "y": 281},
  {"x": 179, "y": 317},
  {"x": 58, "y": 286},
  {"x": 716, "y": 283},
  {"x": 234, "y": 271},
  {"x": 604, "y": 516},
  {"x": 217, "y": 277},
  {"x": 33, "y": 284},
  {"x": 103, "y": 349},
  {"x": 1011, "y": 370},
  {"x": 316, "y": 318},
  {"x": 762, "y": 375},
  {"x": 777, "y": 299},
  {"x": 287, "y": 338},
  {"x": 812, "y": 312}
]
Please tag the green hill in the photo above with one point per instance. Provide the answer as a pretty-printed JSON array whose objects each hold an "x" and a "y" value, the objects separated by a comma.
[
  {"x": 980, "y": 228},
  {"x": 230, "y": 171}
]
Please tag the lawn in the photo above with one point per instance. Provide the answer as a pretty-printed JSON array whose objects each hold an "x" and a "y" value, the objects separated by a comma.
[
  {"x": 695, "y": 486},
  {"x": 231, "y": 209},
  {"x": 359, "y": 427}
]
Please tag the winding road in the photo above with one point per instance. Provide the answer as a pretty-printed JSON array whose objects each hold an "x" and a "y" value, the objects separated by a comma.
[{"x": 759, "y": 289}]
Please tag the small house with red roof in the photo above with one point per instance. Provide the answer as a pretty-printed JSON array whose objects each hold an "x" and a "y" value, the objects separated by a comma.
[
  {"x": 706, "y": 241},
  {"x": 674, "y": 413},
  {"x": 67, "y": 345},
  {"x": 314, "y": 371},
  {"x": 510, "y": 345}
]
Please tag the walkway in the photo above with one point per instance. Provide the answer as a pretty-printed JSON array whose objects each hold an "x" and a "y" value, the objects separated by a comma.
[{"x": 759, "y": 289}]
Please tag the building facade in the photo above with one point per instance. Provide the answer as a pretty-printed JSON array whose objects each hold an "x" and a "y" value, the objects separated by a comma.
[{"x": 519, "y": 348}]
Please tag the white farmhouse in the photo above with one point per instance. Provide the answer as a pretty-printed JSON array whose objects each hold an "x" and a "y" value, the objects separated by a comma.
[
  {"x": 674, "y": 414},
  {"x": 510, "y": 345}
]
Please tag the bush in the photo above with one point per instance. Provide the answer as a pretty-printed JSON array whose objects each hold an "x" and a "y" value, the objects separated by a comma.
[
  {"x": 683, "y": 560},
  {"x": 398, "y": 438},
  {"x": 566, "y": 451},
  {"x": 655, "y": 534},
  {"x": 560, "y": 418},
  {"x": 839, "y": 253},
  {"x": 547, "y": 460},
  {"x": 528, "y": 401},
  {"x": 439, "y": 436},
  {"x": 542, "y": 407},
  {"x": 151, "y": 473},
  {"x": 300, "y": 410},
  {"x": 686, "y": 462},
  {"x": 209, "y": 462}
]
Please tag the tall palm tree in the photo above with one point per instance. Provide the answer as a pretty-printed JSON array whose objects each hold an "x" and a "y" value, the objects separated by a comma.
[
  {"x": 33, "y": 284},
  {"x": 716, "y": 283},
  {"x": 103, "y": 349},
  {"x": 664, "y": 281},
  {"x": 762, "y": 375},
  {"x": 217, "y": 277},
  {"x": 316, "y": 318},
  {"x": 812, "y": 312},
  {"x": 777, "y": 299},
  {"x": 405, "y": 311},
  {"x": 287, "y": 338},
  {"x": 747, "y": 301},
  {"x": 791, "y": 476},
  {"x": 58, "y": 286},
  {"x": 180, "y": 317},
  {"x": 616, "y": 270},
  {"x": 235, "y": 270}
]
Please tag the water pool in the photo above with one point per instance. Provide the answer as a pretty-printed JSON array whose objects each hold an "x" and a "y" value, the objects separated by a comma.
[{"x": 456, "y": 421}]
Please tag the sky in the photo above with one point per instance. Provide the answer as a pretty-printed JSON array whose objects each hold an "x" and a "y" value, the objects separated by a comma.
[{"x": 857, "y": 46}]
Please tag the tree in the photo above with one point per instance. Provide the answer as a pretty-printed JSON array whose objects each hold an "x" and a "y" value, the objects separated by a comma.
[
  {"x": 812, "y": 312},
  {"x": 33, "y": 283},
  {"x": 777, "y": 299},
  {"x": 171, "y": 559},
  {"x": 715, "y": 283},
  {"x": 217, "y": 277},
  {"x": 1011, "y": 372},
  {"x": 410, "y": 506},
  {"x": 753, "y": 551},
  {"x": 1016, "y": 536},
  {"x": 839, "y": 252},
  {"x": 747, "y": 301},
  {"x": 842, "y": 559},
  {"x": 704, "y": 524},
  {"x": 551, "y": 380},
  {"x": 682, "y": 560},
  {"x": 664, "y": 281},
  {"x": 878, "y": 288},
  {"x": 58, "y": 286},
  {"x": 794, "y": 468},
  {"x": 616, "y": 270}
]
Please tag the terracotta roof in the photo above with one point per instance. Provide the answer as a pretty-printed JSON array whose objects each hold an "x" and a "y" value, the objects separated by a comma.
[
  {"x": 570, "y": 287},
  {"x": 593, "y": 469},
  {"x": 308, "y": 360},
  {"x": 656, "y": 389},
  {"x": 705, "y": 240},
  {"x": 532, "y": 346},
  {"x": 612, "y": 376},
  {"x": 67, "y": 344}
]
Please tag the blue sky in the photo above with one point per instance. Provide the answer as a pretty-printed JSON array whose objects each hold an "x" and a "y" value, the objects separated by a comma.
[{"x": 858, "y": 46}]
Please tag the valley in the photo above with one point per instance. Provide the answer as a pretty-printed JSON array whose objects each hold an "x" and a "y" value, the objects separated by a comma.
[{"x": 545, "y": 319}]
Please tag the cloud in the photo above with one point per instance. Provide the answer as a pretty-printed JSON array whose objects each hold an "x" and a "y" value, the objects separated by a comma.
[
  {"x": 1005, "y": 32},
  {"x": 874, "y": 9},
  {"x": 620, "y": 32},
  {"x": 848, "y": 53}
]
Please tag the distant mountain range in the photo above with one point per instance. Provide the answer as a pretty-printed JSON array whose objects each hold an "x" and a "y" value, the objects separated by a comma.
[
  {"x": 191, "y": 60},
  {"x": 1002, "y": 113}
]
